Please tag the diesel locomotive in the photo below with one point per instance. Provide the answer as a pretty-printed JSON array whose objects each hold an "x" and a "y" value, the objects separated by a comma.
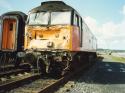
[{"x": 56, "y": 39}]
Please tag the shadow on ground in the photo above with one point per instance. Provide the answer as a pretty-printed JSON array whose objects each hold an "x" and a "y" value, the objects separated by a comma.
[{"x": 106, "y": 73}]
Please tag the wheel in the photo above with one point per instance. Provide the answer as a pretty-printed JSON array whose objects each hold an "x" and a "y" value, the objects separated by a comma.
[{"x": 42, "y": 66}]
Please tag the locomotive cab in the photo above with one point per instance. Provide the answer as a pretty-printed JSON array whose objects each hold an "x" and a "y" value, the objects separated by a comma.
[
  {"x": 50, "y": 29},
  {"x": 48, "y": 35}
]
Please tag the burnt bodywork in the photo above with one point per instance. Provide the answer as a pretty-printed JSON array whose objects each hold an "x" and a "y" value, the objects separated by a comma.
[{"x": 52, "y": 6}]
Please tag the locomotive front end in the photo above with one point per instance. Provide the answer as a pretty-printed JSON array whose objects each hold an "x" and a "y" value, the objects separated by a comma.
[
  {"x": 48, "y": 40},
  {"x": 57, "y": 40}
]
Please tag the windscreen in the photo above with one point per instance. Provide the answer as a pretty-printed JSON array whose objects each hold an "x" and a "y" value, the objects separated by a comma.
[
  {"x": 51, "y": 18},
  {"x": 39, "y": 18},
  {"x": 60, "y": 18}
]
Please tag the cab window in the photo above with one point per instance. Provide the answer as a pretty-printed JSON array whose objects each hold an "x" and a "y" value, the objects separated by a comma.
[
  {"x": 11, "y": 26},
  {"x": 76, "y": 20}
]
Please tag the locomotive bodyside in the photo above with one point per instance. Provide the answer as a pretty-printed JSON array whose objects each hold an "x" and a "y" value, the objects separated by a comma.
[
  {"x": 89, "y": 42},
  {"x": 57, "y": 39}
]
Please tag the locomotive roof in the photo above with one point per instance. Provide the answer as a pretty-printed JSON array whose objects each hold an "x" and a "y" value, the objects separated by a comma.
[
  {"x": 52, "y": 6},
  {"x": 23, "y": 15}
]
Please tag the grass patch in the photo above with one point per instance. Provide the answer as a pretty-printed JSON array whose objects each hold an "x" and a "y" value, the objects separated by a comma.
[{"x": 118, "y": 59}]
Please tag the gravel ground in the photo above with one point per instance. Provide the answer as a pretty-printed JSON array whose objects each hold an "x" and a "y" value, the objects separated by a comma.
[
  {"x": 104, "y": 77},
  {"x": 34, "y": 86}
]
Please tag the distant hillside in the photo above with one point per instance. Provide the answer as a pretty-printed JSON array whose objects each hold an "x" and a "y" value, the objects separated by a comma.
[{"x": 110, "y": 50}]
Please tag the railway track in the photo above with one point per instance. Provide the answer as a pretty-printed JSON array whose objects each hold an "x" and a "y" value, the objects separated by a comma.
[
  {"x": 14, "y": 81},
  {"x": 7, "y": 70},
  {"x": 19, "y": 81},
  {"x": 43, "y": 84},
  {"x": 13, "y": 72}
]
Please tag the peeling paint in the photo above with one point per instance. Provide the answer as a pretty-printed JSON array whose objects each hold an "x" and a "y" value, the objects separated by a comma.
[{"x": 38, "y": 37}]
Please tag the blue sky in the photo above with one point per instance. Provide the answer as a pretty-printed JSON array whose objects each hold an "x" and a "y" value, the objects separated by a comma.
[
  {"x": 103, "y": 10},
  {"x": 106, "y": 18}
]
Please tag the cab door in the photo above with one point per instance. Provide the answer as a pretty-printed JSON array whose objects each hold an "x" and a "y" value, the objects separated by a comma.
[{"x": 9, "y": 34}]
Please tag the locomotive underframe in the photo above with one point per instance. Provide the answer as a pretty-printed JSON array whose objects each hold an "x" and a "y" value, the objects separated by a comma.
[
  {"x": 58, "y": 62},
  {"x": 8, "y": 60}
]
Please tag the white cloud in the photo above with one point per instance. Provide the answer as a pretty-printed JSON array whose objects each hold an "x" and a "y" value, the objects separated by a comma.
[{"x": 109, "y": 35}]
